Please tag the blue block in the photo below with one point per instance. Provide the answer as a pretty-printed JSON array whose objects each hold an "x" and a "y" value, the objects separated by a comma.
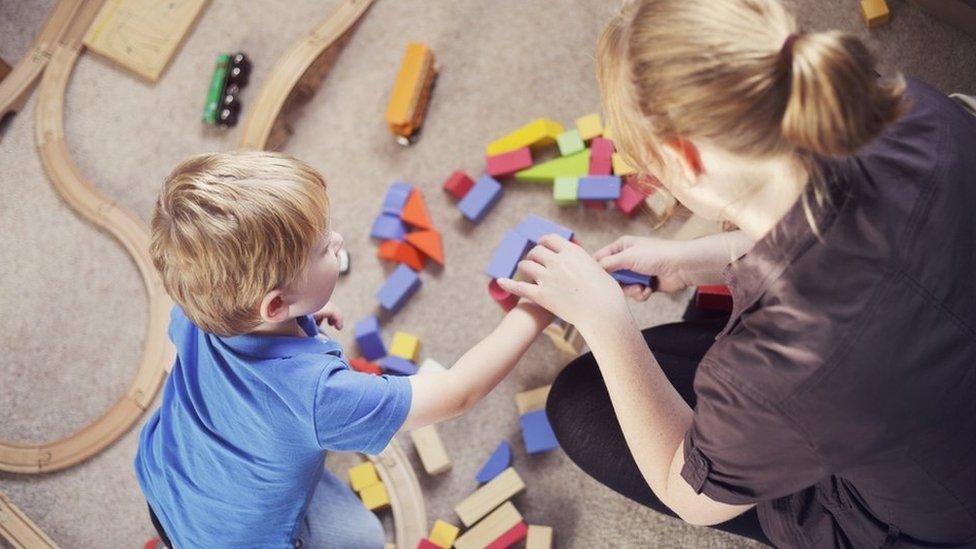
[
  {"x": 396, "y": 197},
  {"x": 481, "y": 198},
  {"x": 627, "y": 278},
  {"x": 398, "y": 288},
  {"x": 535, "y": 227},
  {"x": 369, "y": 339},
  {"x": 537, "y": 433},
  {"x": 500, "y": 460},
  {"x": 388, "y": 227},
  {"x": 398, "y": 366},
  {"x": 509, "y": 252},
  {"x": 599, "y": 187}
]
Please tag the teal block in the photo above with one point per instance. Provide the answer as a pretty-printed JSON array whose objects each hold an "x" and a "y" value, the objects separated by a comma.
[
  {"x": 565, "y": 190},
  {"x": 570, "y": 142}
]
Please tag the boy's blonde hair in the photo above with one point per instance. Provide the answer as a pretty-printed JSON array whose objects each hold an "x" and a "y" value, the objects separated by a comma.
[
  {"x": 715, "y": 69},
  {"x": 230, "y": 227}
]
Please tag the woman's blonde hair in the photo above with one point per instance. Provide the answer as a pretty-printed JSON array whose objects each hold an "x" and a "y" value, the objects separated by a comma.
[
  {"x": 230, "y": 227},
  {"x": 716, "y": 69}
]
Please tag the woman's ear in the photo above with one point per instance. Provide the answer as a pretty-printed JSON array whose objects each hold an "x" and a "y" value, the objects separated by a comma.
[
  {"x": 274, "y": 308},
  {"x": 689, "y": 157}
]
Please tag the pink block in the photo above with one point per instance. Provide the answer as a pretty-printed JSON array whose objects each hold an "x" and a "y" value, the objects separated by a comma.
[
  {"x": 630, "y": 198},
  {"x": 506, "y": 300},
  {"x": 516, "y": 534},
  {"x": 600, "y": 166},
  {"x": 601, "y": 148},
  {"x": 427, "y": 544},
  {"x": 509, "y": 163}
]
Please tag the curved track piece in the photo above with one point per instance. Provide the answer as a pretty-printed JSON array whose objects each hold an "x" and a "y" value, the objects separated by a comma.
[
  {"x": 297, "y": 74},
  {"x": 95, "y": 206},
  {"x": 19, "y": 530},
  {"x": 406, "y": 498}
]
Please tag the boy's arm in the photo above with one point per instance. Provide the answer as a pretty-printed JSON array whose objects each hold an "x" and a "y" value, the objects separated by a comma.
[{"x": 443, "y": 395}]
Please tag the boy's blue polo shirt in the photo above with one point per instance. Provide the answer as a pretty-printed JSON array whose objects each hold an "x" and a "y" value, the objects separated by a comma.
[{"x": 233, "y": 453}]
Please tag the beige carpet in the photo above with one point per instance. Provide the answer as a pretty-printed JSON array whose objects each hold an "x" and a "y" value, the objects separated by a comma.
[{"x": 75, "y": 311}]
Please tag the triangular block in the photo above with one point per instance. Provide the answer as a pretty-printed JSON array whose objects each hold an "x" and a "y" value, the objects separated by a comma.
[
  {"x": 574, "y": 165},
  {"x": 401, "y": 252},
  {"x": 428, "y": 242},
  {"x": 415, "y": 212}
]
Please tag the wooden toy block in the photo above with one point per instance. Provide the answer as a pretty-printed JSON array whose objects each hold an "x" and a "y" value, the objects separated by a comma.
[
  {"x": 363, "y": 476},
  {"x": 344, "y": 261},
  {"x": 427, "y": 544},
  {"x": 574, "y": 165},
  {"x": 565, "y": 337},
  {"x": 406, "y": 346},
  {"x": 540, "y": 132},
  {"x": 431, "y": 450},
  {"x": 414, "y": 211},
  {"x": 396, "y": 198},
  {"x": 360, "y": 364},
  {"x": 508, "y": 163},
  {"x": 398, "y": 288},
  {"x": 514, "y": 535},
  {"x": 631, "y": 197},
  {"x": 429, "y": 243},
  {"x": 510, "y": 250},
  {"x": 532, "y": 400},
  {"x": 589, "y": 126},
  {"x": 660, "y": 205},
  {"x": 717, "y": 298},
  {"x": 626, "y": 278},
  {"x": 565, "y": 190},
  {"x": 458, "y": 184},
  {"x": 495, "y": 526},
  {"x": 570, "y": 142},
  {"x": 388, "y": 227},
  {"x": 411, "y": 92},
  {"x": 502, "y": 488},
  {"x": 375, "y": 497},
  {"x": 481, "y": 198},
  {"x": 499, "y": 460},
  {"x": 539, "y": 537},
  {"x": 443, "y": 534},
  {"x": 504, "y": 299},
  {"x": 600, "y": 166},
  {"x": 398, "y": 365},
  {"x": 620, "y": 166},
  {"x": 874, "y": 12},
  {"x": 537, "y": 432},
  {"x": 601, "y": 148},
  {"x": 599, "y": 187},
  {"x": 367, "y": 332},
  {"x": 401, "y": 252},
  {"x": 534, "y": 227},
  {"x": 431, "y": 365},
  {"x": 608, "y": 131}
]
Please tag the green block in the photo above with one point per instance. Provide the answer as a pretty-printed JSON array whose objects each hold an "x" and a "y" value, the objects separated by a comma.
[
  {"x": 574, "y": 165},
  {"x": 570, "y": 142},
  {"x": 565, "y": 190}
]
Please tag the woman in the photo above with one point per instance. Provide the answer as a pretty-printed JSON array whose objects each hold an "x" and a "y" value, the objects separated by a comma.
[{"x": 836, "y": 407}]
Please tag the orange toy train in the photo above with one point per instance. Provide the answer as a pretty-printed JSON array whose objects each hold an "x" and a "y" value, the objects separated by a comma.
[{"x": 411, "y": 93}]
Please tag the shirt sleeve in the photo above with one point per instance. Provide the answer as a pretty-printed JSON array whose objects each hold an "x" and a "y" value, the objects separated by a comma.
[
  {"x": 740, "y": 448},
  {"x": 357, "y": 412}
]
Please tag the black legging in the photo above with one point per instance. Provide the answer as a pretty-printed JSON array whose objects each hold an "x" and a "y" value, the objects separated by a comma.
[{"x": 586, "y": 426}]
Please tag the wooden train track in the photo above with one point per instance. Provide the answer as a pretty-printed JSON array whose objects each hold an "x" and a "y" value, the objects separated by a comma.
[
  {"x": 406, "y": 497},
  {"x": 19, "y": 530}
]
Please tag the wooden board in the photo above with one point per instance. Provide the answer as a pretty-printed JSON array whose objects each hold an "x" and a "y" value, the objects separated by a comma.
[
  {"x": 19, "y": 530},
  {"x": 142, "y": 35},
  {"x": 431, "y": 450},
  {"x": 485, "y": 499}
]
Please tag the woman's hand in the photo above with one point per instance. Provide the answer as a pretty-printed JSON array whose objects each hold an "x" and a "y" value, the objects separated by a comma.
[
  {"x": 331, "y": 313},
  {"x": 564, "y": 279}
]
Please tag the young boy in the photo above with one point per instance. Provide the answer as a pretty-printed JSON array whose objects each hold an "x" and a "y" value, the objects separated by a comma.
[{"x": 234, "y": 456}]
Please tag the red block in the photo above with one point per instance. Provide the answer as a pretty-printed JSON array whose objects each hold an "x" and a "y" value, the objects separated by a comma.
[
  {"x": 360, "y": 364},
  {"x": 601, "y": 148},
  {"x": 506, "y": 300},
  {"x": 427, "y": 544},
  {"x": 458, "y": 184},
  {"x": 508, "y": 163},
  {"x": 717, "y": 298},
  {"x": 516, "y": 534},
  {"x": 595, "y": 204},
  {"x": 600, "y": 166},
  {"x": 631, "y": 198}
]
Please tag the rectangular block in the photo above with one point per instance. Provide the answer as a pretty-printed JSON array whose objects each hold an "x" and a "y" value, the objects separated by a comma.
[
  {"x": 539, "y": 537},
  {"x": 630, "y": 199},
  {"x": 396, "y": 197},
  {"x": 431, "y": 450},
  {"x": 502, "y": 488},
  {"x": 375, "y": 497},
  {"x": 480, "y": 199},
  {"x": 717, "y": 298},
  {"x": 495, "y": 525},
  {"x": 369, "y": 339},
  {"x": 398, "y": 288},
  {"x": 398, "y": 366},
  {"x": 458, "y": 184},
  {"x": 388, "y": 227},
  {"x": 570, "y": 142},
  {"x": 534, "y": 227},
  {"x": 605, "y": 187},
  {"x": 620, "y": 166},
  {"x": 627, "y": 278},
  {"x": 532, "y": 400},
  {"x": 406, "y": 346},
  {"x": 565, "y": 190},
  {"x": 541, "y": 131},
  {"x": 537, "y": 432},
  {"x": 589, "y": 126},
  {"x": 600, "y": 166},
  {"x": 443, "y": 534},
  {"x": 510, "y": 250},
  {"x": 601, "y": 148},
  {"x": 508, "y": 163},
  {"x": 363, "y": 476}
]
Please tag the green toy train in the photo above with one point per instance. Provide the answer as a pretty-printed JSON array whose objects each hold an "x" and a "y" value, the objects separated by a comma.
[{"x": 230, "y": 75}]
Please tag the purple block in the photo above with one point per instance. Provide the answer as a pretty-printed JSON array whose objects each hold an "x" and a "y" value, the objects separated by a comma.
[
  {"x": 537, "y": 433},
  {"x": 481, "y": 198},
  {"x": 398, "y": 365},
  {"x": 398, "y": 288},
  {"x": 509, "y": 252},
  {"x": 599, "y": 187},
  {"x": 388, "y": 227},
  {"x": 369, "y": 339},
  {"x": 627, "y": 278},
  {"x": 534, "y": 227},
  {"x": 396, "y": 197},
  {"x": 500, "y": 459}
]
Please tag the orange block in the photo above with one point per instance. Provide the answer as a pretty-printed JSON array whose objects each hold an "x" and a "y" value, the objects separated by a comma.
[
  {"x": 415, "y": 211},
  {"x": 428, "y": 242},
  {"x": 401, "y": 252},
  {"x": 360, "y": 364}
]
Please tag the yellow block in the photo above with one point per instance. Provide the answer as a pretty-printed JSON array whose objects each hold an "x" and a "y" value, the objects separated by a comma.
[
  {"x": 608, "y": 131},
  {"x": 375, "y": 497},
  {"x": 589, "y": 126},
  {"x": 363, "y": 476},
  {"x": 406, "y": 346},
  {"x": 874, "y": 12},
  {"x": 621, "y": 167},
  {"x": 443, "y": 534},
  {"x": 541, "y": 131}
]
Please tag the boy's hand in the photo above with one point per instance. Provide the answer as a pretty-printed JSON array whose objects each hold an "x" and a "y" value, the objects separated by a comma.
[{"x": 330, "y": 313}]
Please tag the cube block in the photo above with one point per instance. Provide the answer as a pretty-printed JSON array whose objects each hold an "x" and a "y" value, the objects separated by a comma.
[
  {"x": 631, "y": 197},
  {"x": 375, "y": 497},
  {"x": 537, "y": 433},
  {"x": 388, "y": 227},
  {"x": 396, "y": 197},
  {"x": 458, "y": 184},
  {"x": 443, "y": 534},
  {"x": 405, "y": 345},
  {"x": 367, "y": 332},
  {"x": 570, "y": 142},
  {"x": 589, "y": 126},
  {"x": 363, "y": 476},
  {"x": 565, "y": 190}
]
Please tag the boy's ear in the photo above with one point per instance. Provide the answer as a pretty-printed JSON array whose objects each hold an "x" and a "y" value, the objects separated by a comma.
[
  {"x": 690, "y": 158},
  {"x": 273, "y": 307}
]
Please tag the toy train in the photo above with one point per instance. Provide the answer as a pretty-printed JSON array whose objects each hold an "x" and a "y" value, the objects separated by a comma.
[
  {"x": 231, "y": 74},
  {"x": 411, "y": 93}
]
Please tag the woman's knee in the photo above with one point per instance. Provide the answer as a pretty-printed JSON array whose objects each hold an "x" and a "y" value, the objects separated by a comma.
[{"x": 576, "y": 399}]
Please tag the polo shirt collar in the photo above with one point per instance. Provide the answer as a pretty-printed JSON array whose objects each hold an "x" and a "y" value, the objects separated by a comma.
[{"x": 273, "y": 346}]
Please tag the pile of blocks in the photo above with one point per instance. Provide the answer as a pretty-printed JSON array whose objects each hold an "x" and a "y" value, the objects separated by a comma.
[{"x": 366, "y": 482}]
